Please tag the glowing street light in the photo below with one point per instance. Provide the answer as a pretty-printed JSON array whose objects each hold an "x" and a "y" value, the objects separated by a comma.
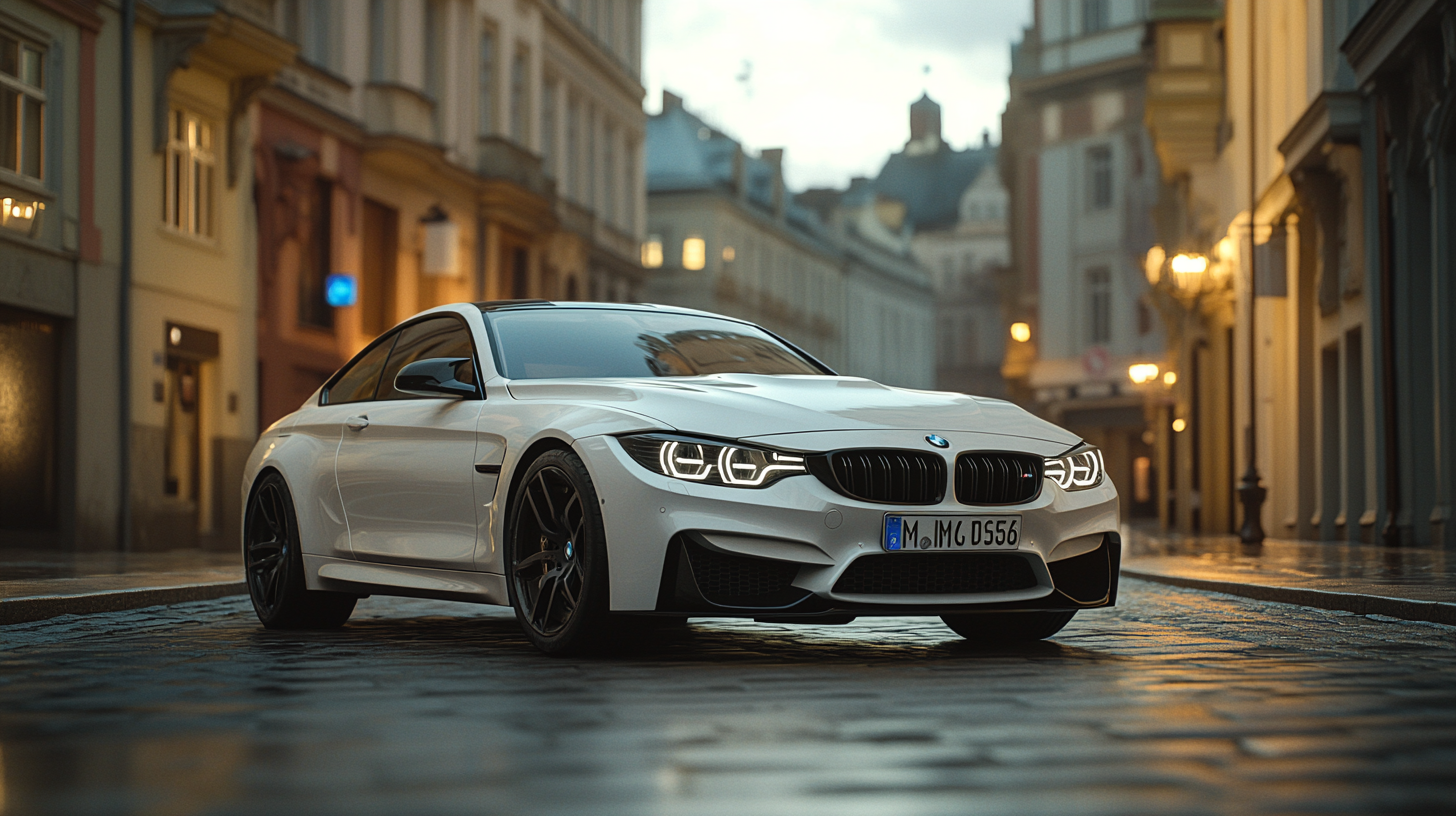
[
  {"x": 1142, "y": 372},
  {"x": 1188, "y": 270},
  {"x": 1170, "y": 378},
  {"x": 1020, "y": 332}
]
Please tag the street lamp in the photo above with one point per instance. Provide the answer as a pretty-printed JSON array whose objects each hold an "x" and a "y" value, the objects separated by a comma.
[{"x": 1141, "y": 373}]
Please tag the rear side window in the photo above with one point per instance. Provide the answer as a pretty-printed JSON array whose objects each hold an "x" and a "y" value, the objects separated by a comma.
[
  {"x": 360, "y": 378},
  {"x": 439, "y": 337}
]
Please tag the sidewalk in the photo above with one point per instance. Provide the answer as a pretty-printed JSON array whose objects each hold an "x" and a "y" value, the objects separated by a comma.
[
  {"x": 1414, "y": 584},
  {"x": 1398, "y": 582},
  {"x": 35, "y": 585}
]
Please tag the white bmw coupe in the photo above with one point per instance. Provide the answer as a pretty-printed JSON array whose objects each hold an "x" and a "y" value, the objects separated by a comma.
[{"x": 604, "y": 468}]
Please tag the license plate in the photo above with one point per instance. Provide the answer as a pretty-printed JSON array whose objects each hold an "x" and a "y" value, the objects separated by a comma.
[{"x": 920, "y": 533}]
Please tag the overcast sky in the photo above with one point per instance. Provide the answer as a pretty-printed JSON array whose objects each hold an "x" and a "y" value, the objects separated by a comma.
[{"x": 831, "y": 81}]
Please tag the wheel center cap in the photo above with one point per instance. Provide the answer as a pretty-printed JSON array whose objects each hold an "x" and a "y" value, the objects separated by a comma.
[{"x": 570, "y": 549}]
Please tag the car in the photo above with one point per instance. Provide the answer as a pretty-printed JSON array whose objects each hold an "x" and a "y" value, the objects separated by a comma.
[{"x": 607, "y": 469}]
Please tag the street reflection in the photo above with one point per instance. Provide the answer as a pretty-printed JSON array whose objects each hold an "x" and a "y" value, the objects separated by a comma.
[{"x": 416, "y": 705}]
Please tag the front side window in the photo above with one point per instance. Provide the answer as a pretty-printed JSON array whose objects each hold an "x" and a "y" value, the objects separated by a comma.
[
  {"x": 428, "y": 339},
  {"x": 22, "y": 107},
  {"x": 359, "y": 379},
  {"x": 188, "y": 174},
  {"x": 592, "y": 343}
]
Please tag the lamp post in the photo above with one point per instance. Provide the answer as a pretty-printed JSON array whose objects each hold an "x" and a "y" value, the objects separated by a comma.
[{"x": 1251, "y": 493}]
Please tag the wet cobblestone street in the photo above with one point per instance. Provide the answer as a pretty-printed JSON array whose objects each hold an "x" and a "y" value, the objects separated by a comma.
[{"x": 1174, "y": 702}]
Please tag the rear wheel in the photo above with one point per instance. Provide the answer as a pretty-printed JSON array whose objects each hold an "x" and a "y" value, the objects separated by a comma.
[
  {"x": 273, "y": 562},
  {"x": 996, "y": 628},
  {"x": 557, "y": 557}
]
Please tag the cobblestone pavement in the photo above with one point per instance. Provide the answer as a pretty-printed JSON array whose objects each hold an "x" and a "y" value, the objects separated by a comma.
[{"x": 1175, "y": 702}]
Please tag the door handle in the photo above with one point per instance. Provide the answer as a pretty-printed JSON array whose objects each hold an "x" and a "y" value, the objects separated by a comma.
[{"x": 357, "y": 423}]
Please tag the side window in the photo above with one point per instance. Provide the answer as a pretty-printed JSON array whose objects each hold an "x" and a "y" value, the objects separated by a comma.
[
  {"x": 441, "y": 337},
  {"x": 360, "y": 378}
]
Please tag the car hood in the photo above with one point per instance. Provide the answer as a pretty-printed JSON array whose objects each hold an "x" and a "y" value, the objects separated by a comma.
[{"x": 735, "y": 406}]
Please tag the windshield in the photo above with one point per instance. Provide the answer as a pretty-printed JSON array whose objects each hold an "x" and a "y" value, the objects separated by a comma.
[{"x": 545, "y": 343}]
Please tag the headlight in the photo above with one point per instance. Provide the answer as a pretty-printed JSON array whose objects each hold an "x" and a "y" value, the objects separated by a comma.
[
  {"x": 1078, "y": 470},
  {"x": 709, "y": 462}
]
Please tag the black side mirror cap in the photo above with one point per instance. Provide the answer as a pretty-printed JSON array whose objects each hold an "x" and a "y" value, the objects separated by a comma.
[{"x": 435, "y": 377}]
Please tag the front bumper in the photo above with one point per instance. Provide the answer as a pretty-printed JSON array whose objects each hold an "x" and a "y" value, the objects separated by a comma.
[{"x": 801, "y": 528}]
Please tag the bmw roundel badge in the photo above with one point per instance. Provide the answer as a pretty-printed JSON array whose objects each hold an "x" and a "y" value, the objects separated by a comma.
[{"x": 937, "y": 440}]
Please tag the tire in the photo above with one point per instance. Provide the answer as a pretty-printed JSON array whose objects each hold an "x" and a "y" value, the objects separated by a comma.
[
  {"x": 556, "y": 558},
  {"x": 273, "y": 563},
  {"x": 1002, "y": 628}
]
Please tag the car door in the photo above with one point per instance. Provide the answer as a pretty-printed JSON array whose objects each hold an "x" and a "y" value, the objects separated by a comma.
[
  {"x": 406, "y": 463},
  {"x": 323, "y": 425}
]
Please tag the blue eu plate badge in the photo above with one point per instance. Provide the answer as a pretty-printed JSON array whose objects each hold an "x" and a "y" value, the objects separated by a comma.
[{"x": 892, "y": 532}]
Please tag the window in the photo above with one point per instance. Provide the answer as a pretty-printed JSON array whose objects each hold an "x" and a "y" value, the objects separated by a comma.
[
  {"x": 316, "y": 258},
  {"x": 1094, "y": 16},
  {"x": 440, "y": 337},
  {"x": 548, "y": 128},
  {"x": 520, "y": 104},
  {"x": 187, "y": 174},
  {"x": 358, "y": 380},
  {"x": 311, "y": 25},
  {"x": 486, "y": 114},
  {"x": 652, "y": 252},
  {"x": 609, "y": 175},
  {"x": 695, "y": 254},
  {"x": 1099, "y": 300},
  {"x": 436, "y": 32},
  {"x": 22, "y": 107},
  {"x": 1099, "y": 177},
  {"x": 573, "y": 148},
  {"x": 379, "y": 49}
]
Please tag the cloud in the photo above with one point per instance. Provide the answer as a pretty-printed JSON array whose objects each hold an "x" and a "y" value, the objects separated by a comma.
[{"x": 831, "y": 80}]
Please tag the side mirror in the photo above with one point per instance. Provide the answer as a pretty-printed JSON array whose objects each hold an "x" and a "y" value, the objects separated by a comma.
[{"x": 434, "y": 377}]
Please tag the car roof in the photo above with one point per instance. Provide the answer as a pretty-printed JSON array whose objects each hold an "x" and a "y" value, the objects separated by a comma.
[{"x": 512, "y": 305}]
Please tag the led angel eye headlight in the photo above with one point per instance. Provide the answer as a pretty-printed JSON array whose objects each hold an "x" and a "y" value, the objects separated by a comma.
[
  {"x": 1081, "y": 469},
  {"x": 702, "y": 461}
]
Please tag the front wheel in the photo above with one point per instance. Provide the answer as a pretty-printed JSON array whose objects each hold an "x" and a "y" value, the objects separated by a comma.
[
  {"x": 273, "y": 562},
  {"x": 556, "y": 559},
  {"x": 1002, "y": 628}
]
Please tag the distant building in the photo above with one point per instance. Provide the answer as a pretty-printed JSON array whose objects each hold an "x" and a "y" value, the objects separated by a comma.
[
  {"x": 1083, "y": 178},
  {"x": 725, "y": 235},
  {"x": 953, "y": 204}
]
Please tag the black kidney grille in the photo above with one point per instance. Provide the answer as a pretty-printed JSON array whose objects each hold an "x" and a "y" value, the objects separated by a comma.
[
  {"x": 936, "y": 574},
  {"x": 889, "y": 476},
  {"x": 998, "y": 478},
  {"x": 737, "y": 581}
]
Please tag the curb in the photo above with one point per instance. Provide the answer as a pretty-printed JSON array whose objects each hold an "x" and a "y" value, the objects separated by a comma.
[
  {"x": 1430, "y": 611},
  {"x": 22, "y": 610}
]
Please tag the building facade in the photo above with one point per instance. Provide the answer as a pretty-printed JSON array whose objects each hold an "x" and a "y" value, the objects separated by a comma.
[
  {"x": 952, "y": 203},
  {"x": 1077, "y": 157},
  {"x": 724, "y": 235},
  {"x": 440, "y": 151},
  {"x": 60, "y": 256}
]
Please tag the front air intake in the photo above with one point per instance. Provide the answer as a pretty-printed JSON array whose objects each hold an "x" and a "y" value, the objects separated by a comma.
[
  {"x": 885, "y": 476},
  {"x": 989, "y": 478},
  {"x": 936, "y": 574}
]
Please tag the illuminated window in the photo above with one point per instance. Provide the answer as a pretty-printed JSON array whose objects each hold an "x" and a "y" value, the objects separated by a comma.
[
  {"x": 652, "y": 252},
  {"x": 22, "y": 107},
  {"x": 187, "y": 174},
  {"x": 729, "y": 254},
  {"x": 695, "y": 253}
]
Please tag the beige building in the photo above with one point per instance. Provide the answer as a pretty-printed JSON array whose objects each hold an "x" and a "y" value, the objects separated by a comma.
[{"x": 470, "y": 149}]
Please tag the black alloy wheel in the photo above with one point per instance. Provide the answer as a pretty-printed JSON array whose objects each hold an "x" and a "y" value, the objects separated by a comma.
[
  {"x": 557, "y": 557},
  {"x": 273, "y": 563},
  {"x": 1005, "y": 628}
]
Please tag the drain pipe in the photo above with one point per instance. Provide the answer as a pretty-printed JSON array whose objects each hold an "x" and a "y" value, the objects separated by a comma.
[{"x": 123, "y": 300}]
